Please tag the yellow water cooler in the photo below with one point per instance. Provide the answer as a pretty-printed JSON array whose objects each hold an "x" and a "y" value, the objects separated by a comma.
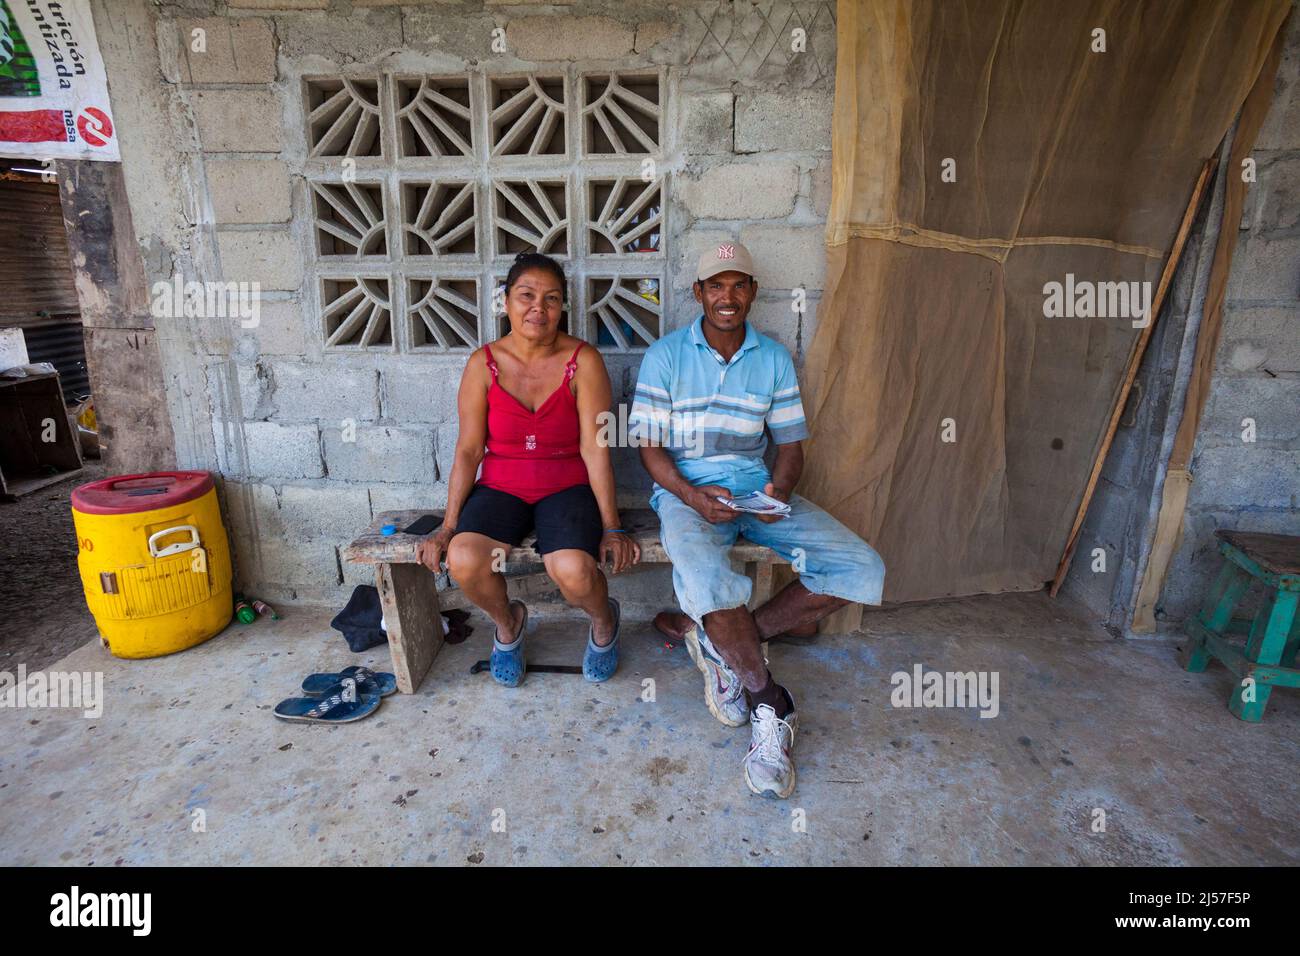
[{"x": 154, "y": 560}]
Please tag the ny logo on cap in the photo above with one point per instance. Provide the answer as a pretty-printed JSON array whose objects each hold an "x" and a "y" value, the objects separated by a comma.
[{"x": 727, "y": 251}]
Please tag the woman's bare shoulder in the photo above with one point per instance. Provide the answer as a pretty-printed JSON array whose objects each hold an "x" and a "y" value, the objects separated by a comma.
[
  {"x": 582, "y": 350},
  {"x": 476, "y": 365}
]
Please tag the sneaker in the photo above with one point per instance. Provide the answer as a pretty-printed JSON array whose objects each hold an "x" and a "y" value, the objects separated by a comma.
[
  {"x": 723, "y": 692},
  {"x": 508, "y": 664},
  {"x": 769, "y": 771},
  {"x": 599, "y": 663}
]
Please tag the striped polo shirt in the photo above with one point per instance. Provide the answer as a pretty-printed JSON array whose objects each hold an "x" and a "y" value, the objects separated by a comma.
[{"x": 713, "y": 416}]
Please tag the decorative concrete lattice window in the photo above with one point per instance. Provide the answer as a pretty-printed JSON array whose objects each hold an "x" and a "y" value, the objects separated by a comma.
[{"x": 424, "y": 188}]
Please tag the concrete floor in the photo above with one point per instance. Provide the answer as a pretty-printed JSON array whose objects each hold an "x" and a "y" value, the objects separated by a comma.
[
  {"x": 41, "y": 602},
  {"x": 586, "y": 774}
]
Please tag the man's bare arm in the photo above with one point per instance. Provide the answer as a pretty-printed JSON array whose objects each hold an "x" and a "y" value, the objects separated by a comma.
[{"x": 787, "y": 469}]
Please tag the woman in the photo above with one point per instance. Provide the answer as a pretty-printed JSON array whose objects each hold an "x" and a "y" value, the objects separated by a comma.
[{"x": 528, "y": 405}]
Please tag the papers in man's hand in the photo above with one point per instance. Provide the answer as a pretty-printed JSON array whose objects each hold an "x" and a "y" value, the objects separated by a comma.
[{"x": 757, "y": 503}]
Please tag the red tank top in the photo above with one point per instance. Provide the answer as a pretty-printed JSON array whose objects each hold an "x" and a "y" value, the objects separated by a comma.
[{"x": 533, "y": 454}]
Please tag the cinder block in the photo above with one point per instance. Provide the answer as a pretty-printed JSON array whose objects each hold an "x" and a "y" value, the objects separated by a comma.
[
  {"x": 381, "y": 453},
  {"x": 568, "y": 38},
  {"x": 254, "y": 391},
  {"x": 787, "y": 257},
  {"x": 332, "y": 392},
  {"x": 788, "y": 120},
  {"x": 343, "y": 40},
  {"x": 742, "y": 191},
  {"x": 292, "y": 567},
  {"x": 234, "y": 50},
  {"x": 251, "y": 508},
  {"x": 270, "y": 450},
  {"x": 445, "y": 439},
  {"x": 622, "y": 376},
  {"x": 425, "y": 392},
  {"x": 775, "y": 318},
  {"x": 1264, "y": 269},
  {"x": 707, "y": 122},
  {"x": 464, "y": 34},
  {"x": 808, "y": 335},
  {"x": 286, "y": 541},
  {"x": 268, "y": 257},
  {"x": 1272, "y": 403},
  {"x": 283, "y": 328},
  {"x": 1260, "y": 338},
  {"x": 243, "y": 121},
  {"x": 390, "y": 497},
  {"x": 653, "y": 32},
  {"x": 235, "y": 392},
  {"x": 821, "y": 188},
  {"x": 1275, "y": 199},
  {"x": 1281, "y": 129},
  {"x": 632, "y": 482},
  {"x": 1244, "y": 475},
  {"x": 249, "y": 190},
  {"x": 323, "y": 513}
]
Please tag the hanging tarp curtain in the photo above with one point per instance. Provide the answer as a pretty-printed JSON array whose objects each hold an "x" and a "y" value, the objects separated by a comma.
[{"x": 981, "y": 151}]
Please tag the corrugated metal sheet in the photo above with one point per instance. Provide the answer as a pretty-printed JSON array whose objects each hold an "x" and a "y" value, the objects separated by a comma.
[
  {"x": 63, "y": 345},
  {"x": 35, "y": 267}
]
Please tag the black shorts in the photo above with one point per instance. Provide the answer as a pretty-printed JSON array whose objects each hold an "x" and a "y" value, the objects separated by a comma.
[{"x": 566, "y": 519}]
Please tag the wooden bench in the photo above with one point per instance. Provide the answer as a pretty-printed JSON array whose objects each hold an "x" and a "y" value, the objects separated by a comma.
[{"x": 408, "y": 591}]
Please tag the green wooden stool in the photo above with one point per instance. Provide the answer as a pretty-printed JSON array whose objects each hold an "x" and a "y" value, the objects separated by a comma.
[{"x": 1267, "y": 659}]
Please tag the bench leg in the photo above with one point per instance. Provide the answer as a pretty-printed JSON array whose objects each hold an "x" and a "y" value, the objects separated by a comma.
[
  {"x": 1292, "y": 648},
  {"x": 1216, "y": 613},
  {"x": 408, "y": 594},
  {"x": 1265, "y": 645}
]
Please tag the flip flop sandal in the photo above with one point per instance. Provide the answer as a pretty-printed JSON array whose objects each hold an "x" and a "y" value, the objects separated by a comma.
[
  {"x": 380, "y": 684},
  {"x": 599, "y": 663},
  {"x": 332, "y": 709},
  {"x": 507, "y": 661}
]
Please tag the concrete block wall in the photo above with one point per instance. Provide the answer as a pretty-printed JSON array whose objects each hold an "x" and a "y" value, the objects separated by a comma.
[
  {"x": 313, "y": 441},
  {"x": 1239, "y": 483}
]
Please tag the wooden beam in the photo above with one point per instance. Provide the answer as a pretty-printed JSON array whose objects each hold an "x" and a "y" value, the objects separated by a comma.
[{"x": 1135, "y": 359}]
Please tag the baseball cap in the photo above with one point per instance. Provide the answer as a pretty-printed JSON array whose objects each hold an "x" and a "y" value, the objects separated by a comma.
[{"x": 725, "y": 257}]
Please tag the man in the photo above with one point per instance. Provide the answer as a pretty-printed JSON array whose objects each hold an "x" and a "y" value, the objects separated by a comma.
[{"x": 706, "y": 397}]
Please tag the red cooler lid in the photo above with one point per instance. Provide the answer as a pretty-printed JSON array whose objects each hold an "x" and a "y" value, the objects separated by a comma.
[{"x": 131, "y": 494}]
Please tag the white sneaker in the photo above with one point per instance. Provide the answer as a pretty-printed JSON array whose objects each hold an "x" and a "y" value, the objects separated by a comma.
[
  {"x": 769, "y": 771},
  {"x": 723, "y": 692}
]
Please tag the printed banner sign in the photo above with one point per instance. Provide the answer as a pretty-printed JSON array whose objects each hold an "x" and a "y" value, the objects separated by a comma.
[{"x": 53, "y": 91}]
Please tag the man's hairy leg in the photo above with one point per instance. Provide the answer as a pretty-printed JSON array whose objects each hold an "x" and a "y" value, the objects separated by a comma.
[
  {"x": 735, "y": 636},
  {"x": 793, "y": 610}
]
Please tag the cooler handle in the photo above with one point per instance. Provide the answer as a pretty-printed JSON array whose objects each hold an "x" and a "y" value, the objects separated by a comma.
[{"x": 179, "y": 546}]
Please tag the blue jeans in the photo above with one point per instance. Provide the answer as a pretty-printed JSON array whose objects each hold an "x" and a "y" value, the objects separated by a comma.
[{"x": 829, "y": 558}]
